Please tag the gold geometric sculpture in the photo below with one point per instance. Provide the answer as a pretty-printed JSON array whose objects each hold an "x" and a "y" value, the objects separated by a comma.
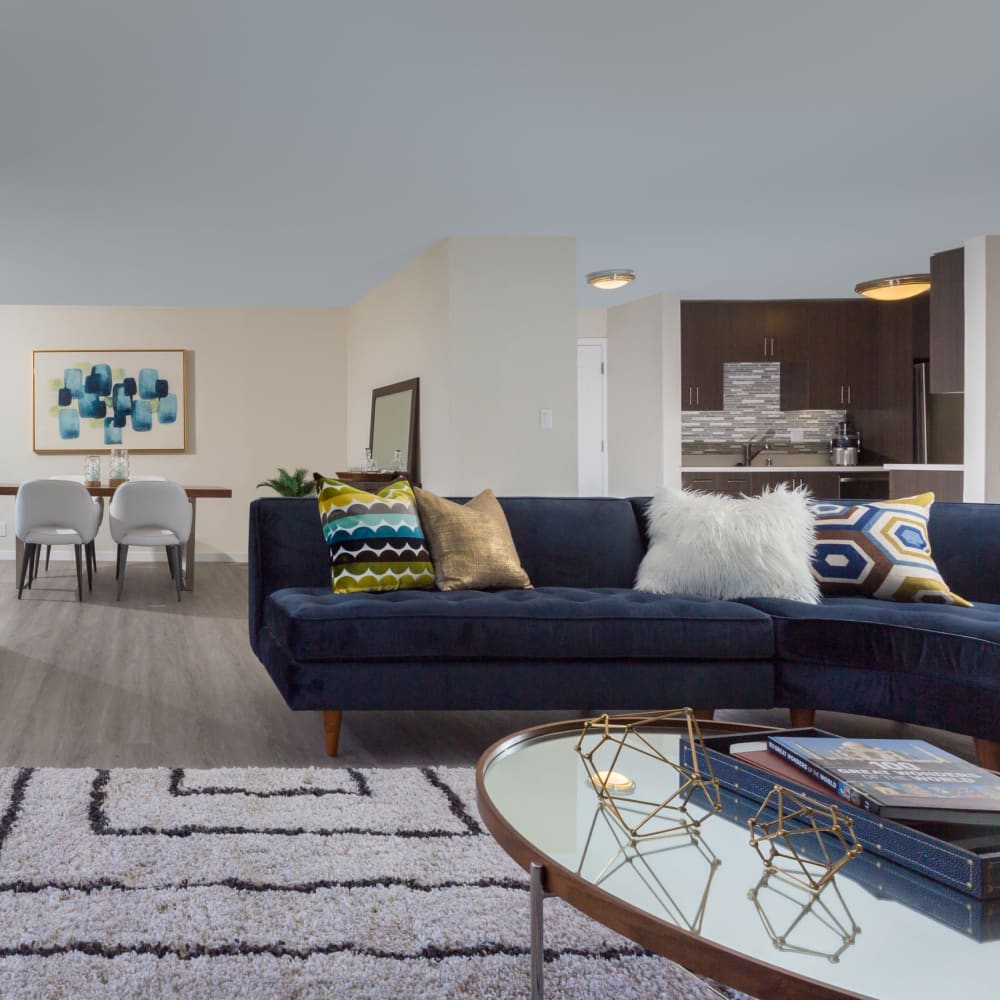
[
  {"x": 609, "y": 742},
  {"x": 816, "y": 919},
  {"x": 802, "y": 819},
  {"x": 637, "y": 869}
]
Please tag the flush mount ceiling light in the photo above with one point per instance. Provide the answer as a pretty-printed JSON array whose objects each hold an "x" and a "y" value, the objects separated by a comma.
[
  {"x": 903, "y": 286},
  {"x": 608, "y": 281}
]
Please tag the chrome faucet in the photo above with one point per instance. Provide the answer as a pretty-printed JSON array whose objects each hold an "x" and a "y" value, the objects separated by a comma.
[{"x": 750, "y": 452}]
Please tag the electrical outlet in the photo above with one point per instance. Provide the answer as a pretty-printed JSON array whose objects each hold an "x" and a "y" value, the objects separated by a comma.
[
  {"x": 3, "y": 529},
  {"x": 798, "y": 435}
]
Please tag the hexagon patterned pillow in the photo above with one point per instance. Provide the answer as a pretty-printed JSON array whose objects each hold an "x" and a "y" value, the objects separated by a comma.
[{"x": 879, "y": 550}]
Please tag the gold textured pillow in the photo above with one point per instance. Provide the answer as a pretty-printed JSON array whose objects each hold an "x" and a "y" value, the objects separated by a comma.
[{"x": 470, "y": 543}]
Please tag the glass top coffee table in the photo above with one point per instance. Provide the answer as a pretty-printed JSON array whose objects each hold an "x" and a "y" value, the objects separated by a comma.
[{"x": 705, "y": 901}]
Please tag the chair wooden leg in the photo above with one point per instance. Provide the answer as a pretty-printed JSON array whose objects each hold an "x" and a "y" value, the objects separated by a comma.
[
  {"x": 331, "y": 730},
  {"x": 122, "y": 558},
  {"x": 38, "y": 559},
  {"x": 78, "y": 552},
  {"x": 92, "y": 549},
  {"x": 31, "y": 555},
  {"x": 48, "y": 552},
  {"x": 802, "y": 718},
  {"x": 90, "y": 572},
  {"x": 26, "y": 559},
  {"x": 988, "y": 754},
  {"x": 170, "y": 560}
]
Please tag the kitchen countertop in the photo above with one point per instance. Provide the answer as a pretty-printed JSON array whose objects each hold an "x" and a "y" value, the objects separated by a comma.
[
  {"x": 926, "y": 468},
  {"x": 842, "y": 469}
]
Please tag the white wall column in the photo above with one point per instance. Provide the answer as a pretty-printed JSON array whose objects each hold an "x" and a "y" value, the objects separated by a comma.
[
  {"x": 982, "y": 369},
  {"x": 644, "y": 409}
]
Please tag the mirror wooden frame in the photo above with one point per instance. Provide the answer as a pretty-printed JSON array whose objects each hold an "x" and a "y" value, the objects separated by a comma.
[{"x": 412, "y": 470}]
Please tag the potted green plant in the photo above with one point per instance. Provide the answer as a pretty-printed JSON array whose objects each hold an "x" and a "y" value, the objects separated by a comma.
[{"x": 291, "y": 484}]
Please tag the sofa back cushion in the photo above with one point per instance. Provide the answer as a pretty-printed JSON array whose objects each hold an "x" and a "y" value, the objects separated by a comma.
[
  {"x": 965, "y": 542},
  {"x": 575, "y": 541}
]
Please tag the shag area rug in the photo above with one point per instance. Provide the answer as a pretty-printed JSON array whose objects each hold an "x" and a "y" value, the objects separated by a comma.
[{"x": 281, "y": 883}]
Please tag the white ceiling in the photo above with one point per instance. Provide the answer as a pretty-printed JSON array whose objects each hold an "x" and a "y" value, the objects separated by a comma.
[{"x": 298, "y": 152}]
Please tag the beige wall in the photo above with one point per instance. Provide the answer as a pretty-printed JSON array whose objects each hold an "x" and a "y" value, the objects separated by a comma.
[
  {"x": 265, "y": 386},
  {"x": 397, "y": 331},
  {"x": 512, "y": 350},
  {"x": 591, "y": 323},
  {"x": 489, "y": 327}
]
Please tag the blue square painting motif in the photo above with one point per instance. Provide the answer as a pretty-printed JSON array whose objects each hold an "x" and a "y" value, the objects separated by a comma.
[{"x": 89, "y": 400}]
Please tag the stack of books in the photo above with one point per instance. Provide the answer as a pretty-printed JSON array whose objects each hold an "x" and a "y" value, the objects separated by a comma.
[{"x": 906, "y": 780}]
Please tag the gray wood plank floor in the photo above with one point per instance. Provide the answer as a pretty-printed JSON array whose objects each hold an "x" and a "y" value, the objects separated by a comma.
[{"x": 150, "y": 682}]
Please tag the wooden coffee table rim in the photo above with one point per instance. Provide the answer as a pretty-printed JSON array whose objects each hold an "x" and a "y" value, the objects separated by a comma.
[{"x": 695, "y": 953}]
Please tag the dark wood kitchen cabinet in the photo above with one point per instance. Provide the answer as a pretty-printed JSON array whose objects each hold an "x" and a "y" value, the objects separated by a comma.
[
  {"x": 823, "y": 484},
  {"x": 765, "y": 331},
  {"x": 734, "y": 483},
  {"x": 703, "y": 335},
  {"x": 947, "y": 321},
  {"x": 840, "y": 370}
]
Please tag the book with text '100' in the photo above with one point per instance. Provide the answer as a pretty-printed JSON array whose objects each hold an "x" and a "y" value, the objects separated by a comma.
[{"x": 908, "y": 780}]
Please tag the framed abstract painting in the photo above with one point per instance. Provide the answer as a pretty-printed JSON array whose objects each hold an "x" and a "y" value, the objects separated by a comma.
[{"x": 91, "y": 400}]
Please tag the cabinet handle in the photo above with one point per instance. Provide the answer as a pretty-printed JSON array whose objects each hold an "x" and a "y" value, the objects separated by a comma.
[
  {"x": 841, "y": 395},
  {"x": 765, "y": 347},
  {"x": 772, "y": 347},
  {"x": 848, "y": 395},
  {"x": 690, "y": 396},
  {"x": 697, "y": 395}
]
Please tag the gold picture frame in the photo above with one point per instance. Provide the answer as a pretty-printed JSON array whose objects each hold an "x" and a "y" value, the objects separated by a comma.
[{"x": 88, "y": 401}]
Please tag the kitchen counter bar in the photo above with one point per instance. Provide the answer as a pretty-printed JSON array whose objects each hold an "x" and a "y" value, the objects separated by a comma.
[{"x": 841, "y": 469}]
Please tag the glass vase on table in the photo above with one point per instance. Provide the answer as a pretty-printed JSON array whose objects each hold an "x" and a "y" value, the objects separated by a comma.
[
  {"x": 118, "y": 466},
  {"x": 92, "y": 470}
]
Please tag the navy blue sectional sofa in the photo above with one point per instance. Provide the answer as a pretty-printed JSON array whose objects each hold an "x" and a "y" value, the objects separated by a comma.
[{"x": 584, "y": 639}]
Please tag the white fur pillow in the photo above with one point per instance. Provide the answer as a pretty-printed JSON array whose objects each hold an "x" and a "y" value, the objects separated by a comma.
[{"x": 730, "y": 547}]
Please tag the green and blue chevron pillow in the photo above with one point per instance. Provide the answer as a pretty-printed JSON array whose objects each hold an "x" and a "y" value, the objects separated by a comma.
[
  {"x": 879, "y": 550},
  {"x": 375, "y": 539}
]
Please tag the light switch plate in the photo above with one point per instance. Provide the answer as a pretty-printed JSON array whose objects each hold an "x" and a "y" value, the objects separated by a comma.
[
  {"x": 546, "y": 419},
  {"x": 3, "y": 529}
]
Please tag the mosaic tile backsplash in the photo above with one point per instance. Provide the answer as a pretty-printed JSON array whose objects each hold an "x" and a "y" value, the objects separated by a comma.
[{"x": 752, "y": 392}]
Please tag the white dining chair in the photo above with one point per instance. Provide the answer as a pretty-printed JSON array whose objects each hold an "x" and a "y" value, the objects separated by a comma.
[
  {"x": 54, "y": 512},
  {"x": 89, "y": 550},
  {"x": 150, "y": 512}
]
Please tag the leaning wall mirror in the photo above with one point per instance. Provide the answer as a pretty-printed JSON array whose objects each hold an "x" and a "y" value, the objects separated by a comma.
[{"x": 395, "y": 428}]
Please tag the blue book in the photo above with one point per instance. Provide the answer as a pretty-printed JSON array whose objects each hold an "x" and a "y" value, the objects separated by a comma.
[{"x": 908, "y": 780}]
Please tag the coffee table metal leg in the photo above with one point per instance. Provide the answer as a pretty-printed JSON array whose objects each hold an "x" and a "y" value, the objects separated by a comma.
[{"x": 538, "y": 895}]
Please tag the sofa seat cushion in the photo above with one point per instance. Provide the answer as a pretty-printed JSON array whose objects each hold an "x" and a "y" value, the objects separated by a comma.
[
  {"x": 933, "y": 640},
  {"x": 548, "y": 623}
]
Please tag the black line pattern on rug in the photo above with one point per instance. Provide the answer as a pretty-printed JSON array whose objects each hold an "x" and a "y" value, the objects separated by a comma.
[
  {"x": 177, "y": 789},
  {"x": 454, "y": 801},
  {"x": 243, "y": 885},
  {"x": 99, "y": 825},
  {"x": 13, "y": 810},
  {"x": 279, "y": 949}
]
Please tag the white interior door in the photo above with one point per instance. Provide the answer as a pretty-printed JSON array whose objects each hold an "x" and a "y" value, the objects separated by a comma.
[{"x": 592, "y": 416}]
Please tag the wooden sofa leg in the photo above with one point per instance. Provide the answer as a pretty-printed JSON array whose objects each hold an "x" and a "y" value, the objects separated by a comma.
[
  {"x": 988, "y": 754},
  {"x": 331, "y": 730},
  {"x": 704, "y": 714},
  {"x": 802, "y": 718}
]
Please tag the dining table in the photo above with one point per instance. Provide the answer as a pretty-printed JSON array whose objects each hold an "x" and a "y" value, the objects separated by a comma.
[{"x": 101, "y": 491}]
